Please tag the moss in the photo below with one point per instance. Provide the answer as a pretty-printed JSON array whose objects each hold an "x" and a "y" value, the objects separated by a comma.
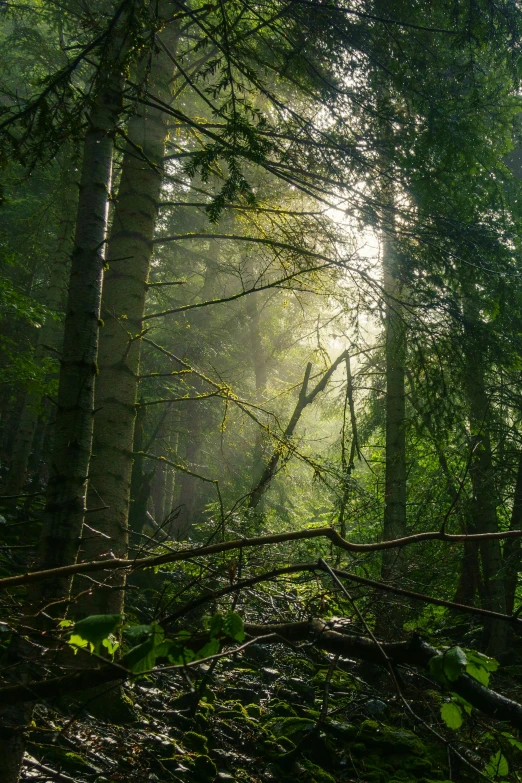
[
  {"x": 389, "y": 738},
  {"x": 287, "y": 727},
  {"x": 374, "y": 763},
  {"x": 286, "y": 743},
  {"x": 67, "y": 759},
  {"x": 109, "y": 706},
  {"x": 196, "y": 742},
  {"x": 254, "y": 710},
  {"x": 339, "y": 679},
  {"x": 376, "y": 776},
  {"x": 403, "y": 777},
  {"x": 343, "y": 731},
  {"x": 298, "y": 664},
  {"x": 369, "y": 726},
  {"x": 317, "y": 774},
  {"x": 417, "y": 765},
  {"x": 234, "y": 709},
  {"x": 282, "y": 708},
  {"x": 204, "y": 768}
]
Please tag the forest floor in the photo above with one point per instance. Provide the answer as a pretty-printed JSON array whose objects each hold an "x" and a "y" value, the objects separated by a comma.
[{"x": 267, "y": 715}]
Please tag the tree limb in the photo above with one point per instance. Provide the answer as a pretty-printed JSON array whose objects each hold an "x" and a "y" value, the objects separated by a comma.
[{"x": 241, "y": 543}]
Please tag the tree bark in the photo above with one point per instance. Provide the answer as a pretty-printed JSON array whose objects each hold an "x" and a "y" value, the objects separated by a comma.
[
  {"x": 484, "y": 503},
  {"x": 390, "y": 616},
  {"x": 258, "y": 359},
  {"x": 66, "y": 493},
  {"x": 129, "y": 255},
  {"x": 512, "y": 547},
  {"x": 49, "y": 343}
]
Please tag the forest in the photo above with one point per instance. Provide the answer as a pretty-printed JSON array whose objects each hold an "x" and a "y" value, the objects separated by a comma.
[{"x": 261, "y": 391}]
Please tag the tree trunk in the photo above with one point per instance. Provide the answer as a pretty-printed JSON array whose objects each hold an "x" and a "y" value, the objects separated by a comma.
[
  {"x": 129, "y": 255},
  {"x": 65, "y": 501},
  {"x": 49, "y": 343},
  {"x": 390, "y": 616},
  {"x": 484, "y": 503},
  {"x": 512, "y": 545},
  {"x": 188, "y": 485},
  {"x": 258, "y": 359}
]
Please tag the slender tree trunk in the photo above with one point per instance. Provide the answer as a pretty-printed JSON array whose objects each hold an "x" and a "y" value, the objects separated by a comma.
[
  {"x": 65, "y": 502},
  {"x": 390, "y": 616},
  {"x": 129, "y": 255},
  {"x": 188, "y": 485},
  {"x": 347, "y": 465},
  {"x": 49, "y": 342},
  {"x": 160, "y": 477},
  {"x": 512, "y": 545},
  {"x": 484, "y": 503},
  {"x": 172, "y": 448},
  {"x": 258, "y": 359},
  {"x": 140, "y": 478}
]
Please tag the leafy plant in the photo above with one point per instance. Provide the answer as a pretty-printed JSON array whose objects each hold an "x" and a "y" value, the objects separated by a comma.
[{"x": 147, "y": 643}]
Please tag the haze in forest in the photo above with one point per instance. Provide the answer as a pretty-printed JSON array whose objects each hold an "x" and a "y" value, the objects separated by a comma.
[{"x": 260, "y": 410}]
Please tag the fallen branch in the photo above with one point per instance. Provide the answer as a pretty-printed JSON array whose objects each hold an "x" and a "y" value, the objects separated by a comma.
[
  {"x": 313, "y": 567},
  {"x": 47, "y": 771},
  {"x": 242, "y": 543}
]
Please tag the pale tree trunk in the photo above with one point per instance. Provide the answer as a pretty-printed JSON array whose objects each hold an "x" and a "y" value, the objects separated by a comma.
[
  {"x": 49, "y": 341},
  {"x": 189, "y": 498},
  {"x": 188, "y": 485},
  {"x": 140, "y": 478},
  {"x": 347, "y": 465},
  {"x": 390, "y": 616},
  {"x": 65, "y": 502},
  {"x": 512, "y": 545},
  {"x": 258, "y": 357},
  {"x": 484, "y": 503},
  {"x": 172, "y": 424},
  {"x": 160, "y": 476},
  {"x": 129, "y": 255}
]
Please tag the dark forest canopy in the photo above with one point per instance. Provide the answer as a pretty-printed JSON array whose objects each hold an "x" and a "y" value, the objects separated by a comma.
[{"x": 260, "y": 411}]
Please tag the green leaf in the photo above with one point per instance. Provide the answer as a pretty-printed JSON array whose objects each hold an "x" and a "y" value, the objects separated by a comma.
[
  {"x": 478, "y": 673},
  {"x": 210, "y": 648},
  {"x": 465, "y": 705},
  {"x": 437, "y": 667},
  {"x": 95, "y": 629},
  {"x": 216, "y": 625},
  {"x": 498, "y": 766},
  {"x": 512, "y": 740},
  {"x": 111, "y": 644},
  {"x": 490, "y": 664},
  {"x": 179, "y": 655},
  {"x": 233, "y": 626},
  {"x": 455, "y": 662},
  {"x": 480, "y": 666},
  {"x": 136, "y": 633},
  {"x": 451, "y": 714},
  {"x": 142, "y": 658},
  {"x": 77, "y": 642}
]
